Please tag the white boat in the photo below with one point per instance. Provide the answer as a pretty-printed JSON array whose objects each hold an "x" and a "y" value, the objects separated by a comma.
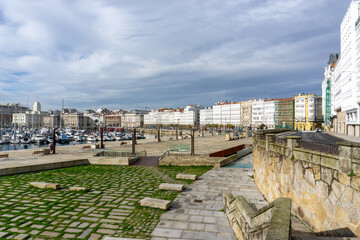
[
  {"x": 91, "y": 138},
  {"x": 118, "y": 137},
  {"x": 108, "y": 137},
  {"x": 14, "y": 140},
  {"x": 38, "y": 138},
  {"x": 5, "y": 138},
  {"x": 25, "y": 140},
  {"x": 79, "y": 138}
]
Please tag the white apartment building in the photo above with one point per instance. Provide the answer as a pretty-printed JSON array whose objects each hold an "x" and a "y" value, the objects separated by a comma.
[
  {"x": 206, "y": 116},
  {"x": 257, "y": 108},
  {"x": 345, "y": 77},
  {"x": 263, "y": 112},
  {"x": 227, "y": 113},
  {"x": 188, "y": 116}
]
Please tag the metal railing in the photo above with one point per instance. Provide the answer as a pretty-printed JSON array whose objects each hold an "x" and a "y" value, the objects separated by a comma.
[
  {"x": 164, "y": 155},
  {"x": 320, "y": 147}
]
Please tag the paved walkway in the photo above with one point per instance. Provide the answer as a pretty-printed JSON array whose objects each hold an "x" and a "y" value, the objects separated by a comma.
[
  {"x": 197, "y": 212},
  {"x": 345, "y": 137}
]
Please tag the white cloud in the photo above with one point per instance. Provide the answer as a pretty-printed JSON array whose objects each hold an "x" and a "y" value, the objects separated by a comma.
[{"x": 94, "y": 52}]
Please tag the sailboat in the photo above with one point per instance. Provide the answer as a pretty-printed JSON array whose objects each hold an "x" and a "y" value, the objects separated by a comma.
[{"x": 14, "y": 140}]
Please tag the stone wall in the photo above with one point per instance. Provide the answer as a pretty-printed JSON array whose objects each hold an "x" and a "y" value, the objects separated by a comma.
[
  {"x": 324, "y": 188},
  {"x": 270, "y": 223}
]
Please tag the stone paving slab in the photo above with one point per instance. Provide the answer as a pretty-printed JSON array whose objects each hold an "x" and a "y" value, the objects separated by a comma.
[
  {"x": 172, "y": 187},
  {"x": 197, "y": 212},
  {"x": 155, "y": 203},
  {"x": 186, "y": 176},
  {"x": 45, "y": 185}
]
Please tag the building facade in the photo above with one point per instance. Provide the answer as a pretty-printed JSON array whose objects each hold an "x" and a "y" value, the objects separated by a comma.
[
  {"x": 308, "y": 112},
  {"x": 246, "y": 113},
  {"x": 31, "y": 119},
  {"x": 188, "y": 116},
  {"x": 7, "y": 111},
  {"x": 75, "y": 121},
  {"x": 284, "y": 113},
  {"x": 113, "y": 120},
  {"x": 206, "y": 116},
  {"x": 341, "y": 85}
]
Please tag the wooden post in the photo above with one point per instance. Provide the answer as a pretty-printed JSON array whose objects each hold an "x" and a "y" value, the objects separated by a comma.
[
  {"x": 177, "y": 134},
  {"x": 192, "y": 142},
  {"x": 54, "y": 141},
  {"x": 133, "y": 142},
  {"x": 158, "y": 137},
  {"x": 101, "y": 137}
]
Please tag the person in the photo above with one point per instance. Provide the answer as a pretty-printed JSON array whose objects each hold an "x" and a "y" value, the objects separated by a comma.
[{"x": 51, "y": 146}]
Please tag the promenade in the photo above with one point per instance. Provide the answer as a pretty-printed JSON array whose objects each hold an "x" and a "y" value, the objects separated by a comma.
[{"x": 203, "y": 145}]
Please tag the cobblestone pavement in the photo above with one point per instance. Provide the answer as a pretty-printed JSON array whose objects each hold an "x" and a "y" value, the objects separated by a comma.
[
  {"x": 110, "y": 208},
  {"x": 197, "y": 213}
]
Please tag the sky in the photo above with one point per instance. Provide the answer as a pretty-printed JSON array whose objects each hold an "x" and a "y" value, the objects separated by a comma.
[{"x": 126, "y": 54}]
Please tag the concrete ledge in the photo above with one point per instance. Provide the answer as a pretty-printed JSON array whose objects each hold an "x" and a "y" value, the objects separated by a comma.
[
  {"x": 155, "y": 203},
  {"x": 119, "y": 161},
  {"x": 186, "y": 176},
  {"x": 172, "y": 187},
  {"x": 45, "y": 185},
  {"x": 42, "y": 166}
]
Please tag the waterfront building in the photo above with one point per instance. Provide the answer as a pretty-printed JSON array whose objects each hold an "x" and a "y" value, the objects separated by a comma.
[
  {"x": 269, "y": 113},
  {"x": 263, "y": 112},
  {"x": 30, "y": 118},
  {"x": 341, "y": 85},
  {"x": 6, "y": 113},
  {"x": 206, "y": 116},
  {"x": 246, "y": 113},
  {"x": 96, "y": 119},
  {"x": 132, "y": 120},
  {"x": 308, "y": 112},
  {"x": 257, "y": 109},
  {"x": 225, "y": 113},
  {"x": 330, "y": 85},
  {"x": 188, "y": 116},
  {"x": 284, "y": 113},
  {"x": 112, "y": 121},
  {"x": 75, "y": 121},
  {"x": 51, "y": 121}
]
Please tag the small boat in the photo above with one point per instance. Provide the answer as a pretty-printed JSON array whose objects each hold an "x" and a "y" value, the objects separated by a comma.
[
  {"x": 91, "y": 138},
  {"x": 38, "y": 138},
  {"x": 14, "y": 140},
  {"x": 50, "y": 139},
  {"x": 25, "y": 140},
  {"x": 5, "y": 138}
]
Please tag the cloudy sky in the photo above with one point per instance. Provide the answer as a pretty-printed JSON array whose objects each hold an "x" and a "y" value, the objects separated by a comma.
[{"x": 163, "y": 53}]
